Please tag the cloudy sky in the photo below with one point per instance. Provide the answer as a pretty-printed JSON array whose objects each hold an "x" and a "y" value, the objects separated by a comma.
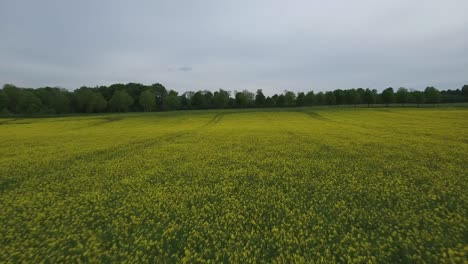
[{"x": 235, "y": 44}]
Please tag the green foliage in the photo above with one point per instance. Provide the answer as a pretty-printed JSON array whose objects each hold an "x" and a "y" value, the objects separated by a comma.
[
  {"x": 147, "y": 100},
  {"x": 353, "y": 97},
  {"x": 432, "y": 95},
  {"x": 330, "y": 98},
  {"x": 241, "y": 99},
  {"x": 155, "y": 97},
  {"x": 260, "y": 186},
  {"x": 89, "y": 101},
  {"x": 121, "y": 101},
  {"x": 301, "y": 99},
  {"x": 221, "y": 99},
  {"x": 402, "y": 95},
  {"x": 281, "y": 100},
  {"x": 310, "y": 98},
  {"x": 97, "y": 104},
  {"x": 29, "y": 103},
  {"x": 13, "y": 94},
  {"x": 340, "y": 97},
  {"x": 388, "y": 96},
  {"x": 321, "y": 98},
  {"x": 198, "y": 100},
  {"x": 419, "y": 97},
  {"x": 173, "y": 101},
  {"x": 3, "y": 100},
  {"x": 464, "y": 91},
  {"x": 260, "y": 99},
  {"x": 370, "y": 96},
  {"x": 161, "y": 94},
  {"x": 289, "y": 98}
]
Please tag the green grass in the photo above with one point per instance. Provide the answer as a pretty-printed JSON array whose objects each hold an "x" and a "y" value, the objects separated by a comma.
[{"x": 291, "y": 185}]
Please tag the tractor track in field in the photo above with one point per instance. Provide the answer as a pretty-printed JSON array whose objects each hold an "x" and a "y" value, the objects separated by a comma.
[
  {"x": 120, "y": 151},
  {"x": 13, "y": 122},
  {"x": 94, "y": 158},
  {"x": 316, "y": 116},
  {"x": 216, "y": 119},
  {"x": 106, "y": 120}
]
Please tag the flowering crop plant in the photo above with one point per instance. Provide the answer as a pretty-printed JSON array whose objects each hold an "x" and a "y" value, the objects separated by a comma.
[{"x": 290, "y": 185}]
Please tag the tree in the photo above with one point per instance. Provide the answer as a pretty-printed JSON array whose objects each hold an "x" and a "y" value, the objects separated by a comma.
[
  {"x": 3, "y": 101},
  {"x": 432, "y": 95},
  {"x": 340, "y": 96},
  {"x": 402, "y": 95},
  {"x": 241, "y": 99},
  {"x": 107, "y": 92},
  {"x": 310, "y": 98},
  {"x": 98, "y": 103},
  {"x": 274, "y": 100},
  {"x": 208, "y": 98},
  {"x": 161, "y": 93},
  {"x": 353, "y": 97},
  {"x": 260, "y": 99},
  {"x": 281, "y": 101},
  {"x": 134, "y": 90},
  {"x": 29, "y": 103},
  {"x": 249, "y": 97},
  {"x": 13, "y": 94},
  {"x": 173, "y": 100},
  {"x": 198, "y": 100},
  {"x": 269, "y": 101},
  {"x": 289, "y": 98},
  {"x": 147, "y": 100},
  {"x": 62, "y": 102},
  {"x": 185, "y": 100},
  {"x": 301, "y": 99},
  {"x": 221, "y": 98},
  {"x": 320, "y": 98},
  {"x": 361, "y": 93},
  {"x": 89, "y": 100},
  {"x": 388, "y": 96},
  {"x": 83, "y": 97},
  {"x": 121, "y": 101},
  {"x": 370, "y": 97},
  {"x": 330, "y": 98},
  {"x": 419, "y": 97},
  {"x": 464, "y": 90},
  {"x": 54, "y": 100}
]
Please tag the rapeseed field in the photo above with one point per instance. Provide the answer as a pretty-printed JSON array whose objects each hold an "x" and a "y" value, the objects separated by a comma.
[{"x": 244, "y": 186}]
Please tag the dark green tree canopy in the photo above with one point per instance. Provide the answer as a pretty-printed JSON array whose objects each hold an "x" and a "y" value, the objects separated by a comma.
[
  {"x": 388, "y": 96},
  {"x": 3, "y": 101},
  {"x": 173, "y": 100},
  {"x": 370, "y": 96},
  {"x": 419, "y": 97},
  {"x": 289, "y": 98},
  {"x": 432, "y": 95},
  {"x": 147, "y": 100},
  {"x": 121, "y": 101},
  {"x": 221, "y": 98},
  {"x": 29, "y": 103},
  {"x": 310, "y": 98},
  {"x": 260, "y": 99},
  {"x": 402, "y": 95},
  {"x": 138, "y": 97},
  {"x": 301, "y": 99}
]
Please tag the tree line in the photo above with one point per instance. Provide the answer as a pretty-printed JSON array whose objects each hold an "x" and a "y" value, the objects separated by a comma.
[{"x": 136, "y": 97}]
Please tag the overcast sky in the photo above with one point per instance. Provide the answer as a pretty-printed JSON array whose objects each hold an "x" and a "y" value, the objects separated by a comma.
[{"x": 235, "y": 45}]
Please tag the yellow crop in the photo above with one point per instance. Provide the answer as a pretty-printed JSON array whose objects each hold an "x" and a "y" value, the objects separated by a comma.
[{"x": 296, "y": 185}]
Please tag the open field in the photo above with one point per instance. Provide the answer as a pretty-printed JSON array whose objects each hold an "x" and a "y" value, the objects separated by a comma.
[{"x": 303, "y": 185}]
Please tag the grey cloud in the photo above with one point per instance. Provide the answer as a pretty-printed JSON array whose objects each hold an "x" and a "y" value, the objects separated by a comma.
[
  {"x": 273, "y": 45},
  {"x": 185, "y": 68}
]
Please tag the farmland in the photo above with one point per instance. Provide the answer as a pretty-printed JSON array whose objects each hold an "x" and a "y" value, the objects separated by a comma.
[{"x": 295, "y": 185}]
